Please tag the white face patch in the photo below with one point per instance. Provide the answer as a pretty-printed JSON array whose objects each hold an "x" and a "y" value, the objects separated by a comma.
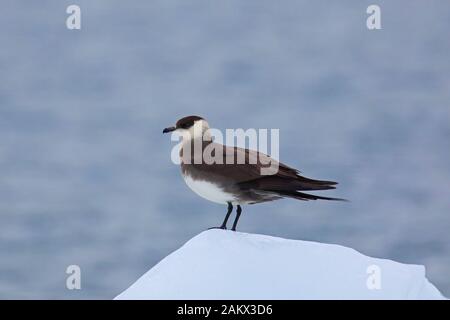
[
  {"x": 197, "y": 131},
  {"x": 209, "y": 191}
]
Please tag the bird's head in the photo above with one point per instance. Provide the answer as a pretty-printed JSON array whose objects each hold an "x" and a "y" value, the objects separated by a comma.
[{"x": 190, "y": 127}]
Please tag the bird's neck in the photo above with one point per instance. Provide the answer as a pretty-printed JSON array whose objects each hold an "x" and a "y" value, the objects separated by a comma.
[{"x": 193, "y": 148}]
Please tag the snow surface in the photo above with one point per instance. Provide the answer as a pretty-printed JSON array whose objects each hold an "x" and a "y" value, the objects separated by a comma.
[{"x": 219, "y": 264}]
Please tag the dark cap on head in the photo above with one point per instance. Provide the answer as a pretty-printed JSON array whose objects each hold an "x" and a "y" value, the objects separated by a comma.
[
  {"x": 183, "y": 123},
  {"x": 187, "y": 122}
]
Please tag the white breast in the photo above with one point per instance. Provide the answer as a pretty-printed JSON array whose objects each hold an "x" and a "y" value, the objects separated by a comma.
[{"x": 209, "y": 190}]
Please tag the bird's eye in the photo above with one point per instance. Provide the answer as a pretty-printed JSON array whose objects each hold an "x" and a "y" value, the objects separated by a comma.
[{"x": 186, "y": 125}]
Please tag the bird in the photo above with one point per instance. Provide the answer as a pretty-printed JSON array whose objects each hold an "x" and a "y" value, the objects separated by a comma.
[{"x": 237, "y": 184}]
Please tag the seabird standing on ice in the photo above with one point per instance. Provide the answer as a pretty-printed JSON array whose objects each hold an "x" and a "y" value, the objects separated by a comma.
[{"x": 231, "y": 183}]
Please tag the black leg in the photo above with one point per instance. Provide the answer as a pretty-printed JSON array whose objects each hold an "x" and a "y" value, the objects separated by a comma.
[
  {"x": 224, "y": 223},
  {"x": 238, "y": 214}
]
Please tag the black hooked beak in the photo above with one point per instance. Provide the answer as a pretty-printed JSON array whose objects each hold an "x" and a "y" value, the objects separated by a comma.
[{"x": 169, "y": 129}]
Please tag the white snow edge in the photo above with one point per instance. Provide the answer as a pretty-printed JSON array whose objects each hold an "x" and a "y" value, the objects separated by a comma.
[{"x": 219, "y": 264}]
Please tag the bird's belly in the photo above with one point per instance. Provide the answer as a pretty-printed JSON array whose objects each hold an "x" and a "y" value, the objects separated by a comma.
[{"x": 209, "y": 191}]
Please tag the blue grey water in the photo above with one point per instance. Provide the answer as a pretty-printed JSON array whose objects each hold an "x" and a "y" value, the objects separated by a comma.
[{"x": 86, "y": 175}]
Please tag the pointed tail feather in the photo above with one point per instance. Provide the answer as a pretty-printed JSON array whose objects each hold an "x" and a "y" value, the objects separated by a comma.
[
  {"x": 279, "y": 184},
  {"x": 306, "y": 196},
  {"x": 313, "y": 181}
]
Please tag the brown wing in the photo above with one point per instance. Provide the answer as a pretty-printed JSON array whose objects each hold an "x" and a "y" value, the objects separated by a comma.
[
  {"x": 227, "y": 169},
  {"x": 250, "y": 175}
]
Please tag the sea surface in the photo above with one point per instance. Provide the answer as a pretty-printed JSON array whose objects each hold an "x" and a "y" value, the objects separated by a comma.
[{"x": 85, "y": 172}]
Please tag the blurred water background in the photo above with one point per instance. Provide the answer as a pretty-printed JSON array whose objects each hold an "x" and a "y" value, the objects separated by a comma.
[{"x": 85, "y": 172}]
